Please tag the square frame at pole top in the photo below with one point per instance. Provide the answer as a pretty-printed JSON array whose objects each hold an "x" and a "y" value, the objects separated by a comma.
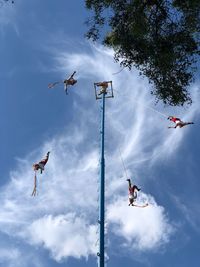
[{"x": 103, "y": 88}]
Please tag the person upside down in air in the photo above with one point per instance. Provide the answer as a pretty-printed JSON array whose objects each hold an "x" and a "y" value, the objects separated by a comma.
[
  {"x": 70, "y": 81},
  {"x": 179, "y": 123},
  {"x": 36, "y": 167},
  {"x": 41, "y": 164},
  {"x": 132, "y": 192}
]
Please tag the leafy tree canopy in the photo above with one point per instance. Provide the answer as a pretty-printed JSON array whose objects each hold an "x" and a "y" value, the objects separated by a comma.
[{"x": 159, "y": 37}]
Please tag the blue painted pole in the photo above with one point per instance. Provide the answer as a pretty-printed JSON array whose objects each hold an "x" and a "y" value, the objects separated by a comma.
[{"x": 102, "y": 187}]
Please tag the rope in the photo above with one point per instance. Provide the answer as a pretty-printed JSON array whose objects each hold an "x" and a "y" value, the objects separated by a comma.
[
  {"x": 164, "y": 115},
  {"x": 51, "y": 85},
  {"x": 118, "y": 71},
  {"x": 123, "y": 163}
]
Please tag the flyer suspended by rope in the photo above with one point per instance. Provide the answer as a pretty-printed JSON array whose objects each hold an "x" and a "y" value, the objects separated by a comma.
[
  {"x": 132, "y": 195},
  {"x": 67, "y": 82},
  {"x": 178, "y": 122},
  {"x": 37, "y": 167}
]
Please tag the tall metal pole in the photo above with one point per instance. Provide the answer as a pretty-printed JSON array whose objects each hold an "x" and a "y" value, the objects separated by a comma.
[
  {"x": 102, "y": 187},
  {"x": 106, "y": 91}
]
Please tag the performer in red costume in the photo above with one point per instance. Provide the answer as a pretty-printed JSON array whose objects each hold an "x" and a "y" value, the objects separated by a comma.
[
  {"x": 36, "y": 167},
  {"x": 70, "y": 81},
  {"x": 41, "y": 164},
  {"x": 132, "y": 192},
  {"x": 179, "y": 123}
]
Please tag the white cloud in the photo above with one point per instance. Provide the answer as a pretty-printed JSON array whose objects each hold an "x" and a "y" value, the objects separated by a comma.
[
  {"x": 64, "y": 235},
  {"x": 141, "y": 228}
]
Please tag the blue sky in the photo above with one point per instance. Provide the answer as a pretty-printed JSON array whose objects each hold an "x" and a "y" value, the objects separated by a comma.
[{"x": 42, "y": 42}]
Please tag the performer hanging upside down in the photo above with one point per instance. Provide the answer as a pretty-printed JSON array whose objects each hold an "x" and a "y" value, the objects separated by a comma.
[
  {"x": 132, "y": 192},
  {"x": 70, "y": 81},
  {"x": 178, "y": 122},
  {"x": 41, "y": 164},
  {"x": 36, "y": 167}
]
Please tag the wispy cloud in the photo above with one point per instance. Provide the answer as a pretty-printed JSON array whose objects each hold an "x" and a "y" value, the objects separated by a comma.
[{"x": 190, "y": 210}]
